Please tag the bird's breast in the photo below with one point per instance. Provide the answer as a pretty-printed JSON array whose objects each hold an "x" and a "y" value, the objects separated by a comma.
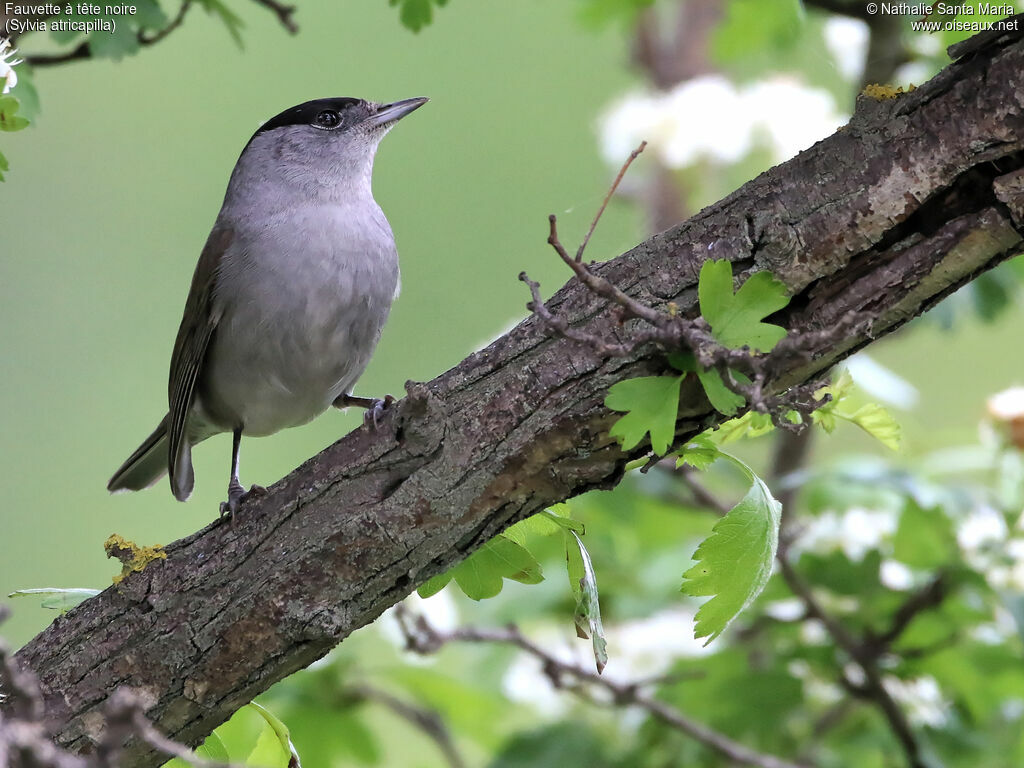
[{"x": 303, "y": 298}]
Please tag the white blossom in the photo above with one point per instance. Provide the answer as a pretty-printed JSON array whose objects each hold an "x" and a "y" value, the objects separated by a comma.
[
  {"x": 847, "y": 41},
  {"x": 855, "y": 531},
  {"x": 711, "y": 118},
  {"x": 8, "y": 76},
  {"x": 895, "y": 575},
  {"x": 921, "y": 699}
]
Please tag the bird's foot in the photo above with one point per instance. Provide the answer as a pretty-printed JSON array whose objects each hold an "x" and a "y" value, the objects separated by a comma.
[
  {"x": 236, "y": 495},
  {"x": 375, "y": 407},
  {"x": 372, "y": 416}
]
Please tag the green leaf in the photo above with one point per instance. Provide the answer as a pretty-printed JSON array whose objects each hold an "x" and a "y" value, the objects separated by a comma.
[
  {"x": 546, "y": 523},
  {"x": 434, "y": 585},
  {"x": 735, "y": 319},
  {"x": 3, "y": 165},
  {"x": 115, "y": 45},
  {"x": 415, "y": 14},
  {"x": 924, "y": 538},
  {"x": 722, "y": 399},
  {"x": 871, "y": 417},
  {"x": 700, "y": 453},
  {"x": 274, "y": 748},
  {"x": 750, "y": 424},
  {"x": 735, "y": 561},
  {"x": 62, "y": 600},
  {"x": 588, "y": 607},
  {"x": 9, "y": 119},
  {"x": 212, "y": 749},
  {"x": 759, "y": 27},
  {"x": 559, "y": 515},
  {"x": 149, "y": 15},
  {"x": 651, "y": 404},
  {"x": 230, "y": 19},
  {"x": 877, "y": 422},
  {"x": 481, "y": 574}
]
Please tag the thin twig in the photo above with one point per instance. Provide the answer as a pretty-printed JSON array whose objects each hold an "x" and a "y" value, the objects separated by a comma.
[
  {"x": 145, "y": 39},
  {"x": 25, "y": 739},
  {"x": 426, "y": 720},
  {"x": 283, "y": 12},
  {"x": 676, "y": 333},
  {"x": 615, "y": 185},
  {"x": 422, "y": 637}
]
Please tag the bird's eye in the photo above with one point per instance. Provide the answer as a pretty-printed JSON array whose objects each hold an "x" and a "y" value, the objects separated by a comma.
[{"x": 328, "y": 119}]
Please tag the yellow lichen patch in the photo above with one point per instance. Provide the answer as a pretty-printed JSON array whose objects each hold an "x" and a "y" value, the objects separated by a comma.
[
  {"x": 883, "y": 92},
  {"x": 133, "y": 557}
]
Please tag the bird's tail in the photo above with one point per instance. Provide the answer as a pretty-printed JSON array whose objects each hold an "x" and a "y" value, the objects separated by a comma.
[{"x": 144, "y": 467}]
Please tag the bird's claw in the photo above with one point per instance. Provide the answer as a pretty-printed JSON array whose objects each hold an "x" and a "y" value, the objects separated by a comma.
[
  {"x": 236, "y": 495},
  {"x": 372, "y": 416}
]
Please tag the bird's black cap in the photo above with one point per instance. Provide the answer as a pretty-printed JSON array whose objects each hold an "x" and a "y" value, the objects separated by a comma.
[{"x": 306, "y": 114}]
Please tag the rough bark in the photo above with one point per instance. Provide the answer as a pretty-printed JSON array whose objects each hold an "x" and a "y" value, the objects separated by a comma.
[{"x": 914, "y": 197}]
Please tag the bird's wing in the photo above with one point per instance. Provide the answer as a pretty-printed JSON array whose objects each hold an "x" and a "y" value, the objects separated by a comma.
[{"x": 197, "y": 326}]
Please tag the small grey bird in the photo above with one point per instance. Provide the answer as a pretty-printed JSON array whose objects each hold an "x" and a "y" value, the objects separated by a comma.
[{"x": 290, "y": 293}]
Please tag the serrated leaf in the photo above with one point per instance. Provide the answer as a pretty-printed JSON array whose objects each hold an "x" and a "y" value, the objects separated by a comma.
[
  {"x": 736, "y": 319},
  {"x": 57, "y": 599},
  {"x": 274, "y": 748},
  {"x": 588, "y": 607},
  {"x": 839, "y": 389},
  {"x": 700, "y": 453},
  {"x": 871, "y": 417},
  {"x": 735, "y": 561},
  {"x": 877, "y": 422},
  {"x": 651, "y": 404},
  {"x": 751, "y": 424}
]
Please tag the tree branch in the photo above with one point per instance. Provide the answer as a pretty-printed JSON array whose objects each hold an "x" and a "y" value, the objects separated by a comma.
[
  {"x": 423, "y": 638},
  {"x": 426, "y": 720},
  {"x": 913, "y": 198}
]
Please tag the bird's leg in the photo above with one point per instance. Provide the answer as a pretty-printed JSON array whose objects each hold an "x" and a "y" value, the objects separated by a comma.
[
  {"x": 236, "y": 493},
  {"x": 374, "y": 406}
]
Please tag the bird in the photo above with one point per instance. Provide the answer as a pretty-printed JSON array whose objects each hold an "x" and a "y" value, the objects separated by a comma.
[{"x": 290, "y": 294}]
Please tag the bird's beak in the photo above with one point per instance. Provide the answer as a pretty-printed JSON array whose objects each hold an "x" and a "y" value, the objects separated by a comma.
[{"x": 390, "y": 113}]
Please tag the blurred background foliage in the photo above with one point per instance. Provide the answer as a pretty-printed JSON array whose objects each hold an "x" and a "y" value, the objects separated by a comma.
[{"x": 916, "y": 556}]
